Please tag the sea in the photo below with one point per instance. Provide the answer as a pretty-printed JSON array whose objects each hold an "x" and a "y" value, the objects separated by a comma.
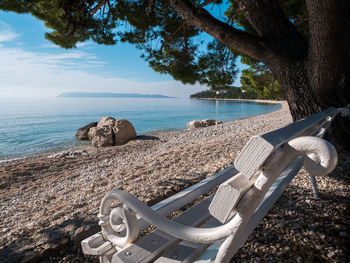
[{"x": 36, "y": 125}]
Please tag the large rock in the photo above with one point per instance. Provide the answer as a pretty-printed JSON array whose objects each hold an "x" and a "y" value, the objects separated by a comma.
[
  {"x": 101, "y": 137},
  {"x": 106, "y": 121},
  {"x": 110, "y": 131},
  {"x": 123, "y": 131},
  {"x": 82, "y": 133},
  {"x": 201, "y": 123}
]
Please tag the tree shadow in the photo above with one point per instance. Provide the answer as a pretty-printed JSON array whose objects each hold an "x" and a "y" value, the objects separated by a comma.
[{"x": 53, "y": 242}]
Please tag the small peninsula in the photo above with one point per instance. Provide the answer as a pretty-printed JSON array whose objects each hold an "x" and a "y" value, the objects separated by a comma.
[{"x": 109, "y": 95}]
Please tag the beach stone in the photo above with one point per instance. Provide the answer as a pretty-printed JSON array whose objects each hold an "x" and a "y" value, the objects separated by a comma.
[
  {"x": 106, "y": 121},
  {"x": 201, "y": 123},
  {"x": 123, "y": 131},
  {"x": 101, "y": 137},
  {"x": 68, "y": 154},
  {"x": 82, "y": 133}
]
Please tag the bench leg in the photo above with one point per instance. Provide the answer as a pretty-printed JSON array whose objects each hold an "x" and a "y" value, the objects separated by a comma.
[{"x": 314, "y": 187}]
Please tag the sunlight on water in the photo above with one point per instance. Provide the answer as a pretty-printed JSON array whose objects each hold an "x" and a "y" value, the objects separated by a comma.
[{"x": 33, "y": 125}]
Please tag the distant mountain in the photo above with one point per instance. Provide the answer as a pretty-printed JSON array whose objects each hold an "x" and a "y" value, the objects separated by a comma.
[{"x": 109, "y": 95}]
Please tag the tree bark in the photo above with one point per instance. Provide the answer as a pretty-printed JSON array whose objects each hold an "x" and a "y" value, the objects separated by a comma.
[{"x": 304, "y": 100}]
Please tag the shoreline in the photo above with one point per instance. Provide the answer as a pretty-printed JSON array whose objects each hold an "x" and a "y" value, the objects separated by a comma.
[
  {"x": 250, "y": 100},
  {"x": 73, "y": 148}
]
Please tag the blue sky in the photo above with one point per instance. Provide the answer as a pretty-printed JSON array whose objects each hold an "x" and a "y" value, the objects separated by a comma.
[{"x": 31, "y": 66}]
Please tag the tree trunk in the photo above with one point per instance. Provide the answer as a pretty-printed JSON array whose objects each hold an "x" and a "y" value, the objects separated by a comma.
[{"x": 305, "y": 100}]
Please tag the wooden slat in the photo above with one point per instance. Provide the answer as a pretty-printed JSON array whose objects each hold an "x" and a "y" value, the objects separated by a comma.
[
  {"x": 227, "y": 197},
  {"x": 95, "y": 245},
  {"x": 210, "y": 253},
  {"x": 262, "y": 146},
  {"x": 189, "y": 194},
  {"x": 182, "y": 198},
  {"x": 187, "y": 251},
  {"x": 151, "y": 246},
  {"x": 183, "y": 252},
  {"x": 270, "y": 198},
  {"x": 169, "y": 205}
]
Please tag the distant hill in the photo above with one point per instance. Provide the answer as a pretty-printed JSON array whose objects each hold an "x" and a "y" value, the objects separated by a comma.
[{"x": 109, "y": 95}]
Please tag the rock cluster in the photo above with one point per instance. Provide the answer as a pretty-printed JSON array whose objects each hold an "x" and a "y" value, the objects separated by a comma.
[
  {"x": 202, "y": 123},
  {"x": 107, "y": 132}
]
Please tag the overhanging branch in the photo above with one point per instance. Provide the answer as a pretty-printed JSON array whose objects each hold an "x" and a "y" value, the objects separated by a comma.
[
  {"x": 98, "y": 6},
  {"x": 267, "y": 17},
  {"x": 238, "y": 40}
]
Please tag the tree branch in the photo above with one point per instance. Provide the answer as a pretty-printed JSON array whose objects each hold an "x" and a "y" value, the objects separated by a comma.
[
  {"x": 166, "y": 41},
  {"x": 207, "y": 2},
  {"x": 329, "y": 41},
  {"x": 238, "y": 40},
  {"x": 150, "y": 4},
  {"x": 267, "y": 17},
  {"x": 270, "y": 22},
  {"x": 98, "y": 6}
]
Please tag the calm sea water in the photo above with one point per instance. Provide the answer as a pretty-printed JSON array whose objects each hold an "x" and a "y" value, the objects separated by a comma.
[{"x": 32, "y": 125}]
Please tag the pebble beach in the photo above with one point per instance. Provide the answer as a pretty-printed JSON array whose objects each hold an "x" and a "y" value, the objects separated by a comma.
[{"x": 49, "y": 201}]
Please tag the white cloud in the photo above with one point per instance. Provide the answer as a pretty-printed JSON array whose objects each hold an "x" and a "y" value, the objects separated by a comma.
[
  {"x": 82, "y": 44},
  {"x": 37, "y": 74},
  {"x": 49, "y": 45},
  {"x": 6, "y": 33},
  {"x": 78, "y": 45},
  {"x": 6, "y": 36}
]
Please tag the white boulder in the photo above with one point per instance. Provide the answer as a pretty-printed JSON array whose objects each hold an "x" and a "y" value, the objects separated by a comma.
[
  {"x": 123, "y": 131},
  {"x": 101, "y": 137},
  {"x": 201, "y": 123}
]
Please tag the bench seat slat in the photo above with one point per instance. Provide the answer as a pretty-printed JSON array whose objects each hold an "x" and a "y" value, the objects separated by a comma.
[
  {"x": 151, "y": 246},
  {"x": 187, "y": 251}
]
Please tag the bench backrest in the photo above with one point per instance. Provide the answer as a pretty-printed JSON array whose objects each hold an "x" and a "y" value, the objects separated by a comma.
[
  {"x": 260, "y": 147},
  {"x": 253, "y": 156}
]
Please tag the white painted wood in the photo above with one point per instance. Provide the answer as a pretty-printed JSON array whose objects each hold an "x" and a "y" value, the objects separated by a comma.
[
  {"x": 189, "y": 194},
  {"x": 187, "y": 251},
  {"x": 256, "y": 151},
  {"x": 270, "y": 198},
  {"x": 95, "y": 245},
  {"x": 227, "y": 197},
  {"x": 170, "y": 204},
  {"x": 151, "y": 246},
  {"x": 210, "y": 254},
  {"x": 183, "y": 252}
]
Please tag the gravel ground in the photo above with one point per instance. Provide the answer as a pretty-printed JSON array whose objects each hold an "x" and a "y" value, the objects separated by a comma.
[{"x": 48, "y": 201}]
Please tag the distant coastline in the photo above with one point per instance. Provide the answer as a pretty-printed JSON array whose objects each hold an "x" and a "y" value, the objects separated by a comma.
[
  {"x": 248, "y": 100},
  {"x": 109, "y": 95}
]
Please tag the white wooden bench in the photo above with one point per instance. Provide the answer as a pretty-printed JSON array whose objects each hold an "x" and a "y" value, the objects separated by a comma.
[{"x": 216, "y": 227}]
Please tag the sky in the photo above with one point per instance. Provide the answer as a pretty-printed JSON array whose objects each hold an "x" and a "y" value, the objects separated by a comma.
[{"x": 31, "y": 66}]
